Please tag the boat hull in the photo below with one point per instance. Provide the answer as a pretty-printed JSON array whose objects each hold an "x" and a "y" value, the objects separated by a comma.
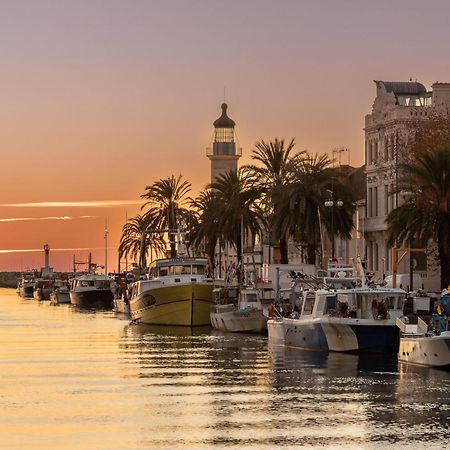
[
  {"x": 342, "y": 335},
  {"x": 275, "y": 331},
  {"x": 58, "y": 298},
  {"x": 101, "y": 299},
  {"x": 26, "y": 291},
  {"x": 238, "y": 320},
  {"x": 42, "y": 294},
  {"x": 426, "y": 351},
  {"x": 122, "y": 307},
  {"x": 180, "y": 305}
]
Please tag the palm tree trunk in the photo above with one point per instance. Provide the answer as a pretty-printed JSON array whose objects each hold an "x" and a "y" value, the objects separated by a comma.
[
  {"x": 444, "y": 259},
  {"x": 311, "y": 253},
  {"x": 142, "y": 252},
  {"x": 284, "y": 250}
]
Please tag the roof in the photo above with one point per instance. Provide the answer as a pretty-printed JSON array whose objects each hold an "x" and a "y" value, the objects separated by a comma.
[
  {"x": 181, "y": 261},
  {"x": 224, "y": 121},
  {"x": 403, "y": 87}
]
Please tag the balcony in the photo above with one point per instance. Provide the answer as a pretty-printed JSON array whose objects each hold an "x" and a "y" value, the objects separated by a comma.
[
  {"x": 374, "y": 224},
  {"x": 224, "y": 150}
]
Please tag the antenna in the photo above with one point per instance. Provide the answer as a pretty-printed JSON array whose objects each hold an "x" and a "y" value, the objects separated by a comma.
[{"x": 106, "y": 246}]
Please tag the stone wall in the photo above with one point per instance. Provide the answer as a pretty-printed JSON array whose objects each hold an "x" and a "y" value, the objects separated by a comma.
[{"x": 9, "y": 279}]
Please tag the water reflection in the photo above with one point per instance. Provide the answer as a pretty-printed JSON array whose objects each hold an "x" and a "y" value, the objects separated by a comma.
[
  {"x": 141, "y": 329},
  {"x": 90, "y": 377}
]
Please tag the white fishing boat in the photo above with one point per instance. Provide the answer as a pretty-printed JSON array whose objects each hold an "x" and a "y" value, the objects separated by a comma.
[
  {"x": 25, "y": 286},
  {"x": 42, "y": 289},
  {"x": 60, "y": 293},
  {"x": 92, "y": 291},
  {"x": 240, "y": 310},
  {"x": 359, "y": 319},
  {"x": 423, "y": 347}
]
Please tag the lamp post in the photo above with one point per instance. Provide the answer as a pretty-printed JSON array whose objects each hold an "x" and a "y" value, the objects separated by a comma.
[{"x": 330, "y": 204}]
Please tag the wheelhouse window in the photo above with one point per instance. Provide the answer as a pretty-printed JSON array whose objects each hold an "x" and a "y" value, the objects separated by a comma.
[
  {"x": 163, "y": 271},
  {"x": 198, "y": 270},
  {"x": 182, "y": 270},
  {"x": 309, "y": 304},
  {"x": 251, "y": 297}
]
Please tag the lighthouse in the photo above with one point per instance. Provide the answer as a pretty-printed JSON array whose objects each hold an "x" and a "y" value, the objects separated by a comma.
[{"x": 224, "y": 153}]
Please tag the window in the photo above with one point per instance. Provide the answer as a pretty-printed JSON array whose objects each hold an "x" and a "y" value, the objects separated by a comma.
[
  {"x": 330, "y": 302},
  {"x": 392, "y": 199},
  {"x": 388, "y": 258},
  {"x": 369, "y": 201},
  {"x": 375, "y": 256},
  {"x": 182, "y": 270},
  {"x": 309, "y": 304},
  {"x": 375, "y": 201},
  {"x": 163, "y": 271},
  {"x": 386, "y": 199},
  {"x": 224, "y": 135},
  {"x": 198, "y": 270}
]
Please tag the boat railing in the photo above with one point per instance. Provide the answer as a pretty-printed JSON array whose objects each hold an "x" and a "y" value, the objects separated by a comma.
[{"x": 419, "y": 328}]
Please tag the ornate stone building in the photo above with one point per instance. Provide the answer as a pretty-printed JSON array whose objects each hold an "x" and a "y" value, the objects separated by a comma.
[{"x": 397, "y": 108}]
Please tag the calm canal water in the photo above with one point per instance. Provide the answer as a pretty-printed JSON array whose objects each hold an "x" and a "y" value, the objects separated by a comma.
[{"x": 76, "y": 380}]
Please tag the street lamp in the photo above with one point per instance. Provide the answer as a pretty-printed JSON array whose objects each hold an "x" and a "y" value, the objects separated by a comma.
[{"x": 330, "y": 203}]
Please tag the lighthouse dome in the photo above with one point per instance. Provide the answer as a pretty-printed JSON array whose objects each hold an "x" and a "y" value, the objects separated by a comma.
[{"x": 224, "y": 121}]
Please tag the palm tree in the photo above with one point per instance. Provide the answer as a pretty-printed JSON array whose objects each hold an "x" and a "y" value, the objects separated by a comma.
[
  {"x": 168, "y": 206},
  {"x": 205, "y": 232},
  {"x": 425, "y": 215},
  {"x": 135, "y": 241},
  {"x": 272, "y": 176},
  {"x": 304, "y": 215},
  {"x": 238, "y": 211}
]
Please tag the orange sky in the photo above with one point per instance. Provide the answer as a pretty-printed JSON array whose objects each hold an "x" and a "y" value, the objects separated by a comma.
[{"x": 100, "y": 99}]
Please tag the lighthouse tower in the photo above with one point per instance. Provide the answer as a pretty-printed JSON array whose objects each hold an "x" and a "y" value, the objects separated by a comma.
[{"x": 224, "y": 154}]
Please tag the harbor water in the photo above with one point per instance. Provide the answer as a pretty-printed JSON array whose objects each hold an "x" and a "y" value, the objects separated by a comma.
[{"x": 77, "y": 380}]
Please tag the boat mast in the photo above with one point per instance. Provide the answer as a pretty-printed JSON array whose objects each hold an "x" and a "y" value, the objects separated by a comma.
[{"x": 106, "y": 246}]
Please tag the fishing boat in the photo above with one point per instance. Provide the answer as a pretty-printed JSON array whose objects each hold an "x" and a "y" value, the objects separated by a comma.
[
  {"x": 25, "y": 286},
  {"x": 121, "y": 298},
  {"x": 176, "y": 291},
  {"x": 42, "y": 289},
  {"x": 92, "y": 291},
  {"x": 60, "y": 293},
  {"x": 423, "y": 346},
  {"x": 358, "y": 319},
  {"x": 240, "y": 310}
]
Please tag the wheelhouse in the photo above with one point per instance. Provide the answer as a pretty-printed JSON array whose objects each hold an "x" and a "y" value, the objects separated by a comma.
[{"x": 178, "y": 267}]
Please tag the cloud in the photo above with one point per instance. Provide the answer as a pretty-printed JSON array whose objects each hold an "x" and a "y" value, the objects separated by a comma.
[
  {"x": 82, "y": 204},
  {"x": 29, "y": 219},
  {"x": 26, "y": 219},
  {"x": 34, "y": 250}
]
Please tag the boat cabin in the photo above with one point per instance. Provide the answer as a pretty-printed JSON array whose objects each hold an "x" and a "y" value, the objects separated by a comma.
[
  {"x": 84, "y": 282},
  {"x": 192, "y": 269},
  {"x": 375, "y": 304}
]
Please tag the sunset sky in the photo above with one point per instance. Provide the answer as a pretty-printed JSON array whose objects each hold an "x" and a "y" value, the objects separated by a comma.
[{"x": 101, "y": 98}]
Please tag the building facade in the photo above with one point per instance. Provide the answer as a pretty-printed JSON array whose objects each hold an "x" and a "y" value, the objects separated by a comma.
[{"x": 396, "y": 112}]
